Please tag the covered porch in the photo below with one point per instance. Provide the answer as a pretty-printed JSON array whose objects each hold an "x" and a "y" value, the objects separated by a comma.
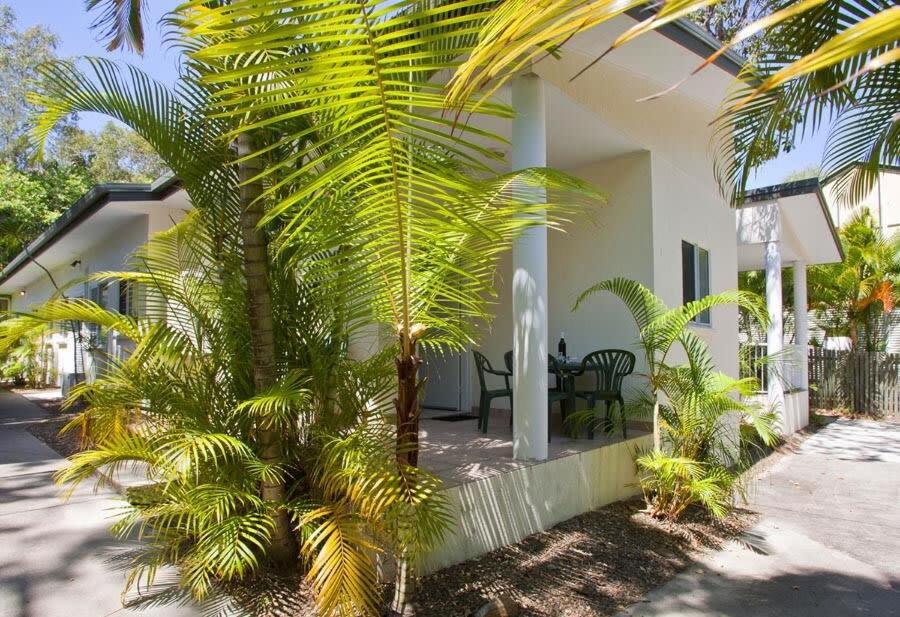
[{"x": 779, "y": 227}]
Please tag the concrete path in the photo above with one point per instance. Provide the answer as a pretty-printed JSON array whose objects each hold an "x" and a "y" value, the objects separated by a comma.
[
  {"x": 828, "y": 542},
  {"x": 57, "y": 558}
]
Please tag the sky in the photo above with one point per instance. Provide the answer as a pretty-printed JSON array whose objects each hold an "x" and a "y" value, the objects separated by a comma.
[{"x": 68, "y": 20}]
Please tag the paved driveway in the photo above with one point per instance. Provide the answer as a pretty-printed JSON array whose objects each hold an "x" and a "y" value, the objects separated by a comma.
[
  {"x": 828, "y": 542},
  {"x": 56, "y": 557}
]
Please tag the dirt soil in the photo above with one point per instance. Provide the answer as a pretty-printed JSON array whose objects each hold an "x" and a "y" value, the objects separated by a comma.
[{"x": 593, "y": 564}]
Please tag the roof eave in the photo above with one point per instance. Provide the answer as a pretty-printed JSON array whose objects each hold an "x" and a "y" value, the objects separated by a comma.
[
  {"x": 808, "y": 186},
  {"x": 89, "y": 203}
]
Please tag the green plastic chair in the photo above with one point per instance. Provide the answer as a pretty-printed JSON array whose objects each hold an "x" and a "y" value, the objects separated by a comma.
[
  {"x": 609, "y": 367},
  {"x": 484, "y": 368}
]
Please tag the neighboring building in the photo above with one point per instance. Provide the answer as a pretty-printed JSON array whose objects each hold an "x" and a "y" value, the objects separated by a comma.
[
  {"x": 883, "y": 201},
  {"x": 99, "y": 232},
  {"x": 665, "y": 225}
]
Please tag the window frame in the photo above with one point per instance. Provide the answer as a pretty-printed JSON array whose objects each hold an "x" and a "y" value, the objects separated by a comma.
[{"x": 699, "y": 277}]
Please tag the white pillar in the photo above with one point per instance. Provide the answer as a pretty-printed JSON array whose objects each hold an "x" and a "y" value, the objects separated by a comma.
[
  {"x": 775, "y": 333},
  {"x": 801, "y": 325},
  {"x": 529, "y": 303}
]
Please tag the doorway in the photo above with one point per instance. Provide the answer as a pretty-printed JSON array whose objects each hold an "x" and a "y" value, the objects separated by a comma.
[{"x": 447, "y": 388}]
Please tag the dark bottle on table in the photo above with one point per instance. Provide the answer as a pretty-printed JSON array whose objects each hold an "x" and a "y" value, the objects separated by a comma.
[{"x": 561, "y": 348}]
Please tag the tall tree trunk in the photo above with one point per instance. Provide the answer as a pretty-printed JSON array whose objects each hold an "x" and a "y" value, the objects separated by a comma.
[
  {"x": 283, "y": 549},
  {"x": 407, "y": 406}
]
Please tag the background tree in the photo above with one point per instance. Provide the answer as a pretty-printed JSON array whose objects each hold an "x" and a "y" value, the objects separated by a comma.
[
  {"x": 725, "y": 19},
  {"x": 21, "y": 53},
  {"x": 112, "y": 154},
  {"x": 33, "y": 193},
  {"x": 852, "y": 297}
]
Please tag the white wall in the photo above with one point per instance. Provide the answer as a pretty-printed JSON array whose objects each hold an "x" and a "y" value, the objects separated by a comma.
[
  {"x": 110, "y": 254},
  {"x": 689, "y": 208},
  {"x": 884, "y": 198},
  {"x": 505, "y": 508}
]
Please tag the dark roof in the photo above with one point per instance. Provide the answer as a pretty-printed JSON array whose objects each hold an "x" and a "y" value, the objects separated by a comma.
[
  {"x": 807, "y": 186},
  {"x": 786, "y": 189},
  {"x": 89, "y": 203},
  {"x": 694, "y": 38}
]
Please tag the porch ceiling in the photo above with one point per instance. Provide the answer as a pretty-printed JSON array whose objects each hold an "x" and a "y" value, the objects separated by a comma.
[{"x": 576, "y": 136}]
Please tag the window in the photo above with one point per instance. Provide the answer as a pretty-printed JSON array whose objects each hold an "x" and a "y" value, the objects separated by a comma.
[
  {"x": 4, "y": 305},
  {"x": 99, "y": 294},
  {"x": 695, "y": 276},
  {"x": 126, "y": 298}
]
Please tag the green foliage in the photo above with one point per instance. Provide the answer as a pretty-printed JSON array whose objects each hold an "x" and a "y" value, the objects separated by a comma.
[
  {"x": 21, "y": 53},
  {"x": 34, "y": 193},
  {"x": 849, "y": 297},
  {"x": 21, "y": 360},
  {"x": 181, "y": 409},
  {"x": 699, "y": 450},
  {"x": 831, "y": 68},
  {"x": 726, "y": 18},
  {"x": 30, "y": 200},
  {"x": 377, "y": 212},
  {"x": 112, "y": 154}
]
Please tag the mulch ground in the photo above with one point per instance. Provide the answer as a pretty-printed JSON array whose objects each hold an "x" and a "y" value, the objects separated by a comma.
[
  {"x": 47, "y": 429},
  {"x": 593, "y": 564}
]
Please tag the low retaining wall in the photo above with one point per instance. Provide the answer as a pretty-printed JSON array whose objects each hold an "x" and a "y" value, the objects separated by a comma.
[
  {"x": 505, "y": 508},
  {"x": 793, "y": 415}
]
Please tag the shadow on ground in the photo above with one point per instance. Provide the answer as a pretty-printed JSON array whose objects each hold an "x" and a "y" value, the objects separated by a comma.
[{"x": 593, "y": 564}]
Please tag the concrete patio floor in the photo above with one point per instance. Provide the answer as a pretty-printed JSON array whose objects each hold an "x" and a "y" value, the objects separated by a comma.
[
  {"x": 57, "y": 558},
  {"x": 827, "y": 545},
  {"x": 457, "y": 452}
]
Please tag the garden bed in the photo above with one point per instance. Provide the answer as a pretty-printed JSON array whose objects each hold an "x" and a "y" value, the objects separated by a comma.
[
  {"x": 593, "y": 564},
  {"x": 48, "y": 431}
]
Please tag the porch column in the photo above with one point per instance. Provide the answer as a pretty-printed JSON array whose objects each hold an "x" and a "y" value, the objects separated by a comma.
[
  {"x": 801, "y": 325},
  {"x": 529, "y": 292},
  {"x": 775, "y": 333}
]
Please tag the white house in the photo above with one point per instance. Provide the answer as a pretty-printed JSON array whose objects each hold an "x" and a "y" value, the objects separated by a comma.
[
  {"x": 99, "y": 232},
  {"x": 665, "y": 225}
]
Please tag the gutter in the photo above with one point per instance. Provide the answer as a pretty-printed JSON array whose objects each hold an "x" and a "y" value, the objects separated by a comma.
[
  {"x": 89, "y": 203},
  {"x": 695, "y": 39}
]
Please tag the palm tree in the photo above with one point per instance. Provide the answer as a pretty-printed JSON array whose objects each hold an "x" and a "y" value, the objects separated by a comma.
[
  {"x": 331, "y": 149},
  {"x": 366, "y": 86},
  {"x": 697, "y": 454},
  {"x": 121, "y": 22},
  {"x": 833, "y": 68},
  {"x": 184, "y": 408},
  {"x": 849, "y": 296}
]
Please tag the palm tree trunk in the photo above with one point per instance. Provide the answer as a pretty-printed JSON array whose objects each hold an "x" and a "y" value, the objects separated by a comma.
[
  {"x": 407, "y": 402},
  {"x": 283, "y": 549},
  {"x": 657, "y": 437},
  {"x": 407, "y": 406}
]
